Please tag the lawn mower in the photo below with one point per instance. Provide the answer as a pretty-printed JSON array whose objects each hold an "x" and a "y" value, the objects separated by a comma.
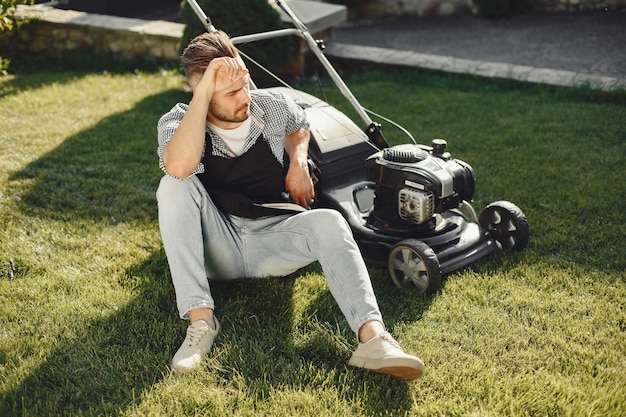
[{"x": 408, "y": 205}]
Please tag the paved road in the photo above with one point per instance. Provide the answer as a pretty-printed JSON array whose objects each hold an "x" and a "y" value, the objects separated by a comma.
[{"x": 561, "y": 49}]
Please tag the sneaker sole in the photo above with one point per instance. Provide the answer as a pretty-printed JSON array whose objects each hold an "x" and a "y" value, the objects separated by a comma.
[
  {"x": 404, "y": 373},
  {"x": 399, "y": 369}
]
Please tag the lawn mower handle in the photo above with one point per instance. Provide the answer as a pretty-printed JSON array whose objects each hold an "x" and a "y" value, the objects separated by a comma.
[
  {"x": 372, "y": 131},
  {"x": 206, "y": 21}
]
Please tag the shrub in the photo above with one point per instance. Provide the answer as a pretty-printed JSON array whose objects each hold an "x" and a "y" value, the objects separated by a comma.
[
  {"x": 8, "y": 26},
  {"x": 502, "y": 8},
  {"x": 242, "y": 18},
  {"x": 349, "y": 3}
]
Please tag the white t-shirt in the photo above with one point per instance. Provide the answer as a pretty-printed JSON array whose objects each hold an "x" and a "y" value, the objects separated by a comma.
[{"x": 235, "y": 138}]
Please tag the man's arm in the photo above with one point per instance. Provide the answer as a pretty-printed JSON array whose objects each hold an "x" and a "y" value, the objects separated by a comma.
[
  {"x": 183, "y": 152},
  {"x": 298, "y": 181}
]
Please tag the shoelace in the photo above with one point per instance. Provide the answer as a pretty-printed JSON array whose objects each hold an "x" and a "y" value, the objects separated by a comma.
[
  {"x": 389, "y": 338},
  {"x": 195, "y": 334}
]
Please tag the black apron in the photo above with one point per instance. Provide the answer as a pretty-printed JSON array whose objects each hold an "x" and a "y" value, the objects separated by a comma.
[{"x": 239, "y": 185}]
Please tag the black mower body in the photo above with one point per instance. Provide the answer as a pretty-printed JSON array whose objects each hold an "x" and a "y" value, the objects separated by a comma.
[{"x": 342, "y": 153}]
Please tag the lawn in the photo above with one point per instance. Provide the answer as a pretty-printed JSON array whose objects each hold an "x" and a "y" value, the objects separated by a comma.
[{"x": 88, "y": 322}]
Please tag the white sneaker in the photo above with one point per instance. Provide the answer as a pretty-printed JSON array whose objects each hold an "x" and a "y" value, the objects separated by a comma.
[
  {"x": 198, "y": 342},
  {"x": 383, "y": 355}
]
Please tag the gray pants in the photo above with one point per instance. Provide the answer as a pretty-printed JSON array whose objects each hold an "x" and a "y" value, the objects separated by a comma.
[{"x": 202, "y": 244}]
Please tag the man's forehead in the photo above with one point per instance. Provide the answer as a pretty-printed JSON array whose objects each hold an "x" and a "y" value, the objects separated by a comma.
[
  {"x": 240, "y": 83},
  {"x": 194, "y": 79}
]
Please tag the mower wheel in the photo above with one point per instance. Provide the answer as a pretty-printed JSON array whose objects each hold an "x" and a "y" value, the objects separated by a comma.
[
  {"x": 414, "y": 265},
  {"x": 507, "y": 224}
]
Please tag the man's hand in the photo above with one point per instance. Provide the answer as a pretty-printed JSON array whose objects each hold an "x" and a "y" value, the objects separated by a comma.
[
  {"x": 298, "y": 181},
  {"x": 220, "y": 75}
]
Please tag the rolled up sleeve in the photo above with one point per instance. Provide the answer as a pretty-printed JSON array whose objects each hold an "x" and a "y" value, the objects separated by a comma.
[{"x": 166, "y": 127}]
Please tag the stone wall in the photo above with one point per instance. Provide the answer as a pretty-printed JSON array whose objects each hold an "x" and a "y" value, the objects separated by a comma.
[{"x": 54, "y": 31}]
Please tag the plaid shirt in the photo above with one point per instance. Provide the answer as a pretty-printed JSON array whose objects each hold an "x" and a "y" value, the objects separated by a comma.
[{"x": 273, "y": 114}]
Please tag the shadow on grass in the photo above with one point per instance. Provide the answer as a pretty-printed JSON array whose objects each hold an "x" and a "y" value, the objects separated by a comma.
[
  {"x": 66, "y": 67},
  {"x": 105, "y": 365},
  {"x": 267, "y": 346},
  {"x": 19, "y": 84},
  {"x": 108, "y": 174}
]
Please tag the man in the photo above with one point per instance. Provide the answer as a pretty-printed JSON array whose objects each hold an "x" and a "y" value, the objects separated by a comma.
[{"x": 224, "y": 155}]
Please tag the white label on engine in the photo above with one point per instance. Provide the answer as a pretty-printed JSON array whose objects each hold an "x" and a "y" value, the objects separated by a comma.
[{"x": 414, "y": 185}]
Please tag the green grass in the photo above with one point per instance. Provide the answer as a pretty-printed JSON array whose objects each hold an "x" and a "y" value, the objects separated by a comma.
[{"x": 88, "y": 322}]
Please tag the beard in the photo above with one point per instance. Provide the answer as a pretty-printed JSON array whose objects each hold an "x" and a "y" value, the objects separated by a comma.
[{"x": 222, "y": 114}]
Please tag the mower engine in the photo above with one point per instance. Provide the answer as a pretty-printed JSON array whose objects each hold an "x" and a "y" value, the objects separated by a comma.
[{"x": 413, "y": 182}]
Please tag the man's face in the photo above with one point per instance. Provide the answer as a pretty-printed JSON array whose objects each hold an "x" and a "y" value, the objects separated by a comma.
[{"x": 231, "y": 105}]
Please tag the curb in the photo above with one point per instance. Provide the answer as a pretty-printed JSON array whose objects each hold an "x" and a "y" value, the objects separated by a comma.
[{"x": 468, "y": 66}]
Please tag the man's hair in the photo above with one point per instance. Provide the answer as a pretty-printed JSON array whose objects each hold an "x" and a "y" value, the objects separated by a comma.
[{"x": 203, "y": 49}]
